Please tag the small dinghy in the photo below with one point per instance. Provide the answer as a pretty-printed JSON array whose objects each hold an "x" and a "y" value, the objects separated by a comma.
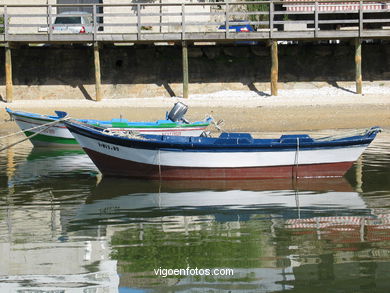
[{"x": 56, "y": 135}]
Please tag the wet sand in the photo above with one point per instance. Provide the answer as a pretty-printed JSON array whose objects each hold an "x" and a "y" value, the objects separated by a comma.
[{"x": 239, "y": 115}]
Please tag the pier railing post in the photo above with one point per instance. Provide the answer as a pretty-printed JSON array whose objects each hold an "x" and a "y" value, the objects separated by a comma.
[
  {"x": 95, "y": 28},
  {"x": 49, "y": 22},
  {"x": 185, "y": 69},
  {"x": 316, "y": 19},
  {"x": 274, "y": 68},
  {"x": 97, "y": 71},
  {"x": 360, "y": 18},
  {"x": 358, "y": 65},
  {"x": 138, "y": 21},
  {"x": 183, "y": 21},
  {"x": 8, "y": 74},
  {"x": 271, "y": 18},
  {"x": 6, "y": 20},
  {"x": 227, "y": 20}
]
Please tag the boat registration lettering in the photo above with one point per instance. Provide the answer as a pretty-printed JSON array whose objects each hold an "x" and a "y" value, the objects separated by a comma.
[
  {"x": 178, "y": 133},
  {"x": 108, "y": 147},
  {"x": 49, "y": 131},
  {"x": 109, "y": 210}
]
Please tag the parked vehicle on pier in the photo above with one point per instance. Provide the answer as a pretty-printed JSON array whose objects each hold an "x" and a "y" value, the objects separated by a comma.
[
  {"x": 240, "y": 28},
  {"x": 73, "y": 22}
]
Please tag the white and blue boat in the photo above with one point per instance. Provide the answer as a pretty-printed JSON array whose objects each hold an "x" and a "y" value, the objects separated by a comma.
[
  {"x": 230, "y": 156},
  {"x": 58, "y": 135}
]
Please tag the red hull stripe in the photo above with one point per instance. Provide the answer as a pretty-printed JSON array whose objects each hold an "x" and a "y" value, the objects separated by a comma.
[
  {"x": 184, "y": 129},
  {"x": 111, "y": 166}
]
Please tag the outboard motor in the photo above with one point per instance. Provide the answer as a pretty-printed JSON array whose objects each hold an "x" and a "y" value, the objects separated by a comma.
[{"x": 177, "y": 112}]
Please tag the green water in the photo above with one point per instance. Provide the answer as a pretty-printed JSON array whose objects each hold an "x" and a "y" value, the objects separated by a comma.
[{"x": 63, "y": 228}]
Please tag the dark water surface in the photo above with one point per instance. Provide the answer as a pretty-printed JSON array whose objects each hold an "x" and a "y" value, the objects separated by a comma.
[{"x": 63, "y": 228}]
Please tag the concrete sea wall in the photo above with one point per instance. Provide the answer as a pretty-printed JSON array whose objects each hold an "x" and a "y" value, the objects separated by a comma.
[{"x": 148, "y": 71}]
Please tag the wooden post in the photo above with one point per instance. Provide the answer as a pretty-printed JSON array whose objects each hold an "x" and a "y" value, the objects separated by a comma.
[
  {"x": 358, "y": 65},
  {"x": 274, "y": 68},
  {"x": 359, "y": 175},
  {"x": 227, "y": 20},
  {"x": 271, "y": 18},
  {"x": 10, "y": 166},
  {"x": 95, "y": 28},
  {"x": 49, "y": 22},
  {"x": 139, "y": 21},
  {"x": 183, "y": 22},
  {"x": 97, "y": 71},
  {"x": 8, "y": 74},
  {"x": 185, "y": 69},
  {"x": 316, "y": 19}
]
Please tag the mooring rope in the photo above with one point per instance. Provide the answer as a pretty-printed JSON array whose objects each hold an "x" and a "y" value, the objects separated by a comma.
[
  {"x": 159, "y": 164},
  {"x": 297, "y": 204},
  {"x": 124, "y": 133},
  {"x": 218, "y": 125},
  {"x": 296, "y": 160},
  {"x": 46, "y": 126},
  {"x": 29, "y": 129},
  {"x": 349, "y": 133}
]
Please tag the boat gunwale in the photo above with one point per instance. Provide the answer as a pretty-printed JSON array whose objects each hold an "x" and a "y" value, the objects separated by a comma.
[
  {"x": 141, "y": 124},
  {"x": 198, "y": 145}
]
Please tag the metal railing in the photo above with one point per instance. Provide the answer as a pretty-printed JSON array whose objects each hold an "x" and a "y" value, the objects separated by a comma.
[{"x": 211, "y": 21}]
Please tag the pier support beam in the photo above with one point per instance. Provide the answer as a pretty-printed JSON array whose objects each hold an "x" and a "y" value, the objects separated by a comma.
[
  {"x": 358, "y": 65},
  {"x": 274, "y": 68},
  {"x": 98, "y": 83},
  {"x": 8, "y": 74},
  {"x": 185, "y": 69}
]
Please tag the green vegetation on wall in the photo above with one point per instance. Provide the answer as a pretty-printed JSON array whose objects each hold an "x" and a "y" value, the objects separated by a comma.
[
  {"x": 258, "y": 8},
  {"x": 2, "y": 25}
]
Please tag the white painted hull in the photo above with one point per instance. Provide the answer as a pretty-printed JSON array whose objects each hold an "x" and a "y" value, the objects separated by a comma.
[
  {"x": 224, "y": 159},
  {"x": 58, "y": 130},
  {"x": 59, "y": 135},
  {"x": 123, "y": 161},
  {"x": 232, "y": 199}
]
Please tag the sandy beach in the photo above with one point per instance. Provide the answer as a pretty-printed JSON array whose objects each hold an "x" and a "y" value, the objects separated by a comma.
[{"x": 291, "y": 110}]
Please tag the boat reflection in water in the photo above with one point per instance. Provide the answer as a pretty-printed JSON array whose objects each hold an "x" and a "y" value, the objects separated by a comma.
[
  {"x": 122, "y": 195},
  {"x": 62, "y": 230},
  {"x": 37, "y": 255},
  {"x": 51, "y": 163},
  {"x": 249, "y": 226}
]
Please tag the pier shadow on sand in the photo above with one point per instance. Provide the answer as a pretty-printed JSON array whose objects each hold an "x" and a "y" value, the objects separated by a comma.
[
  {"x": 334, "y": 84},
  {"x": 169, "y": 89},
  {"x": 253, "y": 88},
  {"x": 85, "y": 92}
]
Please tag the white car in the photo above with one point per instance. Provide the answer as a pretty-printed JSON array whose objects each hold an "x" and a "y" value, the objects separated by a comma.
[{"x": 73, "y": 22}]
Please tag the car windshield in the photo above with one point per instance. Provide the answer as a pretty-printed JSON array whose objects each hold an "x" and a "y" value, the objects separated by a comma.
[{"x": 68, "y": 20}]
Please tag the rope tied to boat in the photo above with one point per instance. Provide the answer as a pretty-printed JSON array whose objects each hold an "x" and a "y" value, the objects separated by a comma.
[
  {"x": 33, "y": 128},
  {"x": 218, "y": 125},
  {"x": 357, "y": 132},
  {"x": 124, "y": 133},
  {"x": 43, "y": 126},
  {"x": 296, "y": 163}
]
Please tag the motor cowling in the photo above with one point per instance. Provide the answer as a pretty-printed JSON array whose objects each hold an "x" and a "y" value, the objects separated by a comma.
[{"x": 177, "y": 112}]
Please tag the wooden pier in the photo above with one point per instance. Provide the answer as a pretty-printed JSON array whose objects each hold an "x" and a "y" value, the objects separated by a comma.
[{"x": 188, "y": 23}]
